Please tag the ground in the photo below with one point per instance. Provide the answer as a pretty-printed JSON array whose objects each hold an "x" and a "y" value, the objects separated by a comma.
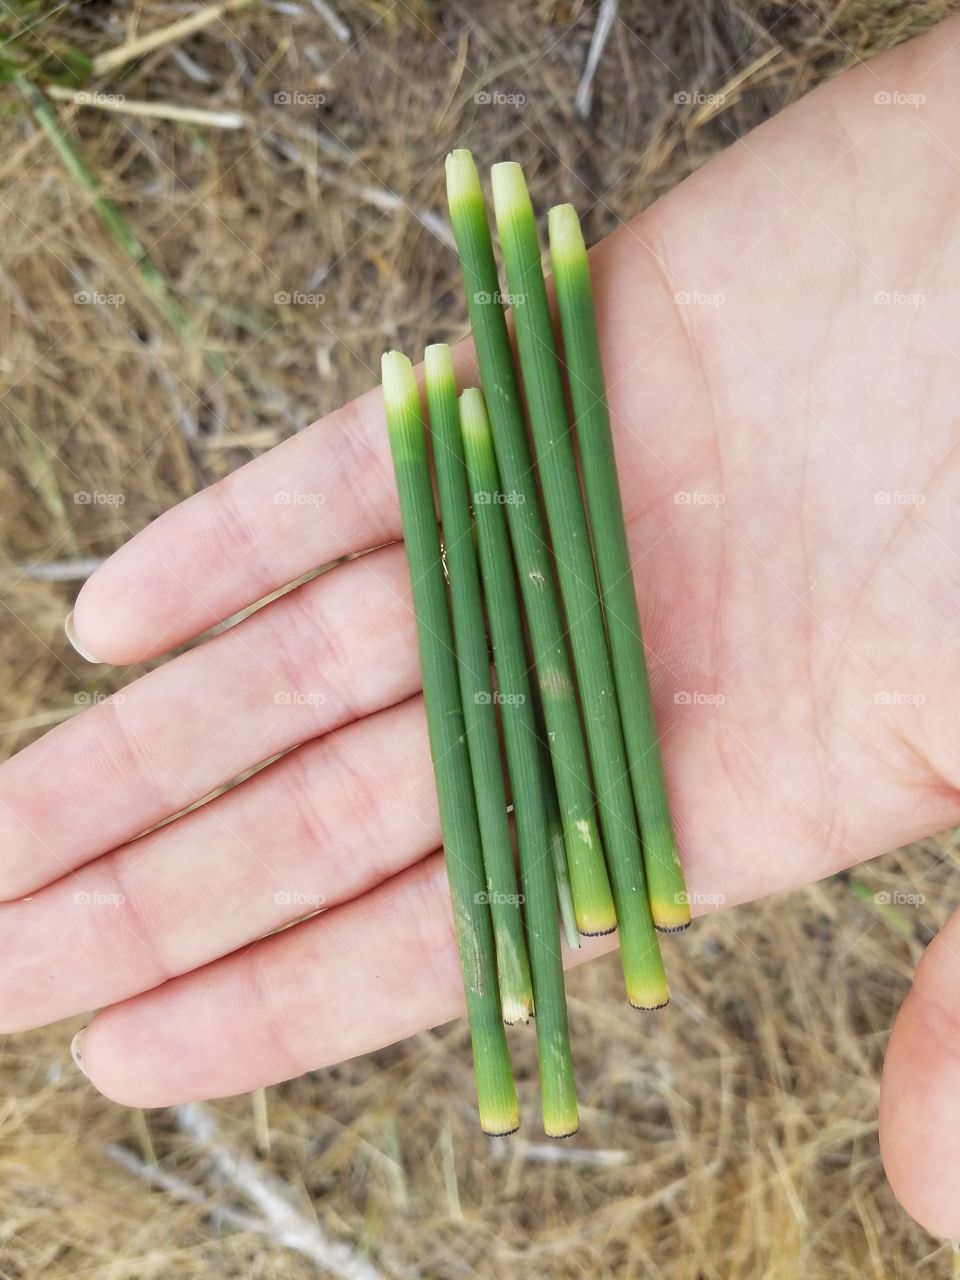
[{"x": 733, "y": 1135}]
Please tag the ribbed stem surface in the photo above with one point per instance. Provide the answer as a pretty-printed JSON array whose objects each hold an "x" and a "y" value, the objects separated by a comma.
[
  {"x": 524, "y": 760},
  {"x": 639, "y": 949},
  {"x": 568, "y": 255},
  {"x": 476, "y": 692},
  {"x": 591, "y": 886},
  {"x": 568, "y": 915},
  {"x": 496, "y": 1093}
]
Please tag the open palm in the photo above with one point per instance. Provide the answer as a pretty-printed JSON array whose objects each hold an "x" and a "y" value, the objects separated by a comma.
[{"x": 780, "y": 337}]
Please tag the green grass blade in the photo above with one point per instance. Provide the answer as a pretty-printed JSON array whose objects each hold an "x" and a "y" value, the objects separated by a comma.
[
  {"x": 591, "y": 887},
  {"x": 665, "y": 882},
  {"x": 72, "y": 159},
  {"x": 496, "y": 1093},
  {"x": 525, "y": 763},
  {"x": 639, "y": 949},
  {"x": 479, "y": 709}
]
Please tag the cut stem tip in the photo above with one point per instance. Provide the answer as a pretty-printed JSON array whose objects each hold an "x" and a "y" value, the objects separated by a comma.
[
  {"x": 510, "y": 194},
  {"x": 566, "y": 237},
  {"x": 463, "y": 181},
  {"x": 438, "y": 365},
  {"x": 399, "y": 383}
]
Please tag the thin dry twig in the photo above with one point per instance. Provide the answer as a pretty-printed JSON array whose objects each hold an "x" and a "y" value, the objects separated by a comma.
[
  {"x": 601, "y": 33},
  {"x": 176, "y": 31},
  {"x": 280, "y": 1218},
  {"x": 554, "y": 1153},
  {"x": 333, "y": 21},
  {"x": 148, "y": 110},
  {"x": 54, "y": 570}
]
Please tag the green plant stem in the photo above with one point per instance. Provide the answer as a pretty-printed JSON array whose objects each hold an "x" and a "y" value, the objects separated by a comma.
[
  {"x": 496, "y": 1093},
  {"x": 639, "y": 949},
  {"x": 665, "y": 881},
  {"x": 591, "y": 886},
  {"x": 524, "y": 761},
  {"x": 477, "y": 696},
  {"x": 568, "y": 915}
]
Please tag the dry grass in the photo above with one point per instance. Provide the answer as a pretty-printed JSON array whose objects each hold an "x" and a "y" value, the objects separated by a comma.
[{"x": 738, "y": 1128}]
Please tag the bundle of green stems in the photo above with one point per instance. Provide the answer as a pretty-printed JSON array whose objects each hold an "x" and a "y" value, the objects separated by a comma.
[{"x": 553, "y": 802}]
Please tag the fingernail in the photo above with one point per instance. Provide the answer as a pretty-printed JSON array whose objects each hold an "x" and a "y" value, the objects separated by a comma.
[
  {"x": 76, "y": 1050},
  {"x": 72, "y": 637}
]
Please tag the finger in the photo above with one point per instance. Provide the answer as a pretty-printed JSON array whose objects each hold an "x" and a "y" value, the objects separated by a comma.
[
  {"x": 340, "y": 647},
  {"x": 327, "y": 822},
  {"x": 324, "y": 493},
  {"x": 351, "y": 980},
  {"x": 920, "y": 1093}
]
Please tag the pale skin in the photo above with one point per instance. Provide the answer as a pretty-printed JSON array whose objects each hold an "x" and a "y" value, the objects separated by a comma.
[{"x": 801, "y": 598}]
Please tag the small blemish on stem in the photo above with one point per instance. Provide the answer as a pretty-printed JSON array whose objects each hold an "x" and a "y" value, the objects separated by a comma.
[{"x": 554, "y": 682}]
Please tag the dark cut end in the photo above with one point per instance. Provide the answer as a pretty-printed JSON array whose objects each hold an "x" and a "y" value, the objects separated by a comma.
[
  {"x": 559, "y": 1137},
  {"x": 674, "y": 928}
]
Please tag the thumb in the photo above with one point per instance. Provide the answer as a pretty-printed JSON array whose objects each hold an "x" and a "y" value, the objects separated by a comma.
[{"x": 920, "y": 1092}]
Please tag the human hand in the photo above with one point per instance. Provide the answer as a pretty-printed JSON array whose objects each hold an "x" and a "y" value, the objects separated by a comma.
[{"x": 784, "y": 596}]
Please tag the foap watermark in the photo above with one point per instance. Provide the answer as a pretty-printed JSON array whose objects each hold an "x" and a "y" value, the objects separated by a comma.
[
  {"x": 298, "y": 698},
  {"x": 688, "y": 898},
  {"x": 298, "y": 498},
  {"x": 298, "y": 898},
  {"x": 694, "y": 98},
  {"x": 698, "y": 498},
  {"x": 97, "y": 498},
  {"x": 898, "y": 698},
  {"x": 500, "y": 899},
  {"x": 899, "y": 898},
  {"x": 94, "y": 697},
  {"x": 897, "y": 298},
  {"x": 94, "y": 298},
  {"x": 483, "y": 697},
  {"x": 93, "y": 898},
  {"x": 87, "y": 98},
  {"x": 898, "y": 498},
  {"x": 894, "y": 98},
  {"x": 484, "y": 299},
  {"x": 298, "y": 98},
  {"x": 697, "y": 698},
  {"x": 298, "y": 299},
  {"x": 698, "y": 298},
  {"x": 496, "y": 498},
  {"x": 497, "y": 98}
]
